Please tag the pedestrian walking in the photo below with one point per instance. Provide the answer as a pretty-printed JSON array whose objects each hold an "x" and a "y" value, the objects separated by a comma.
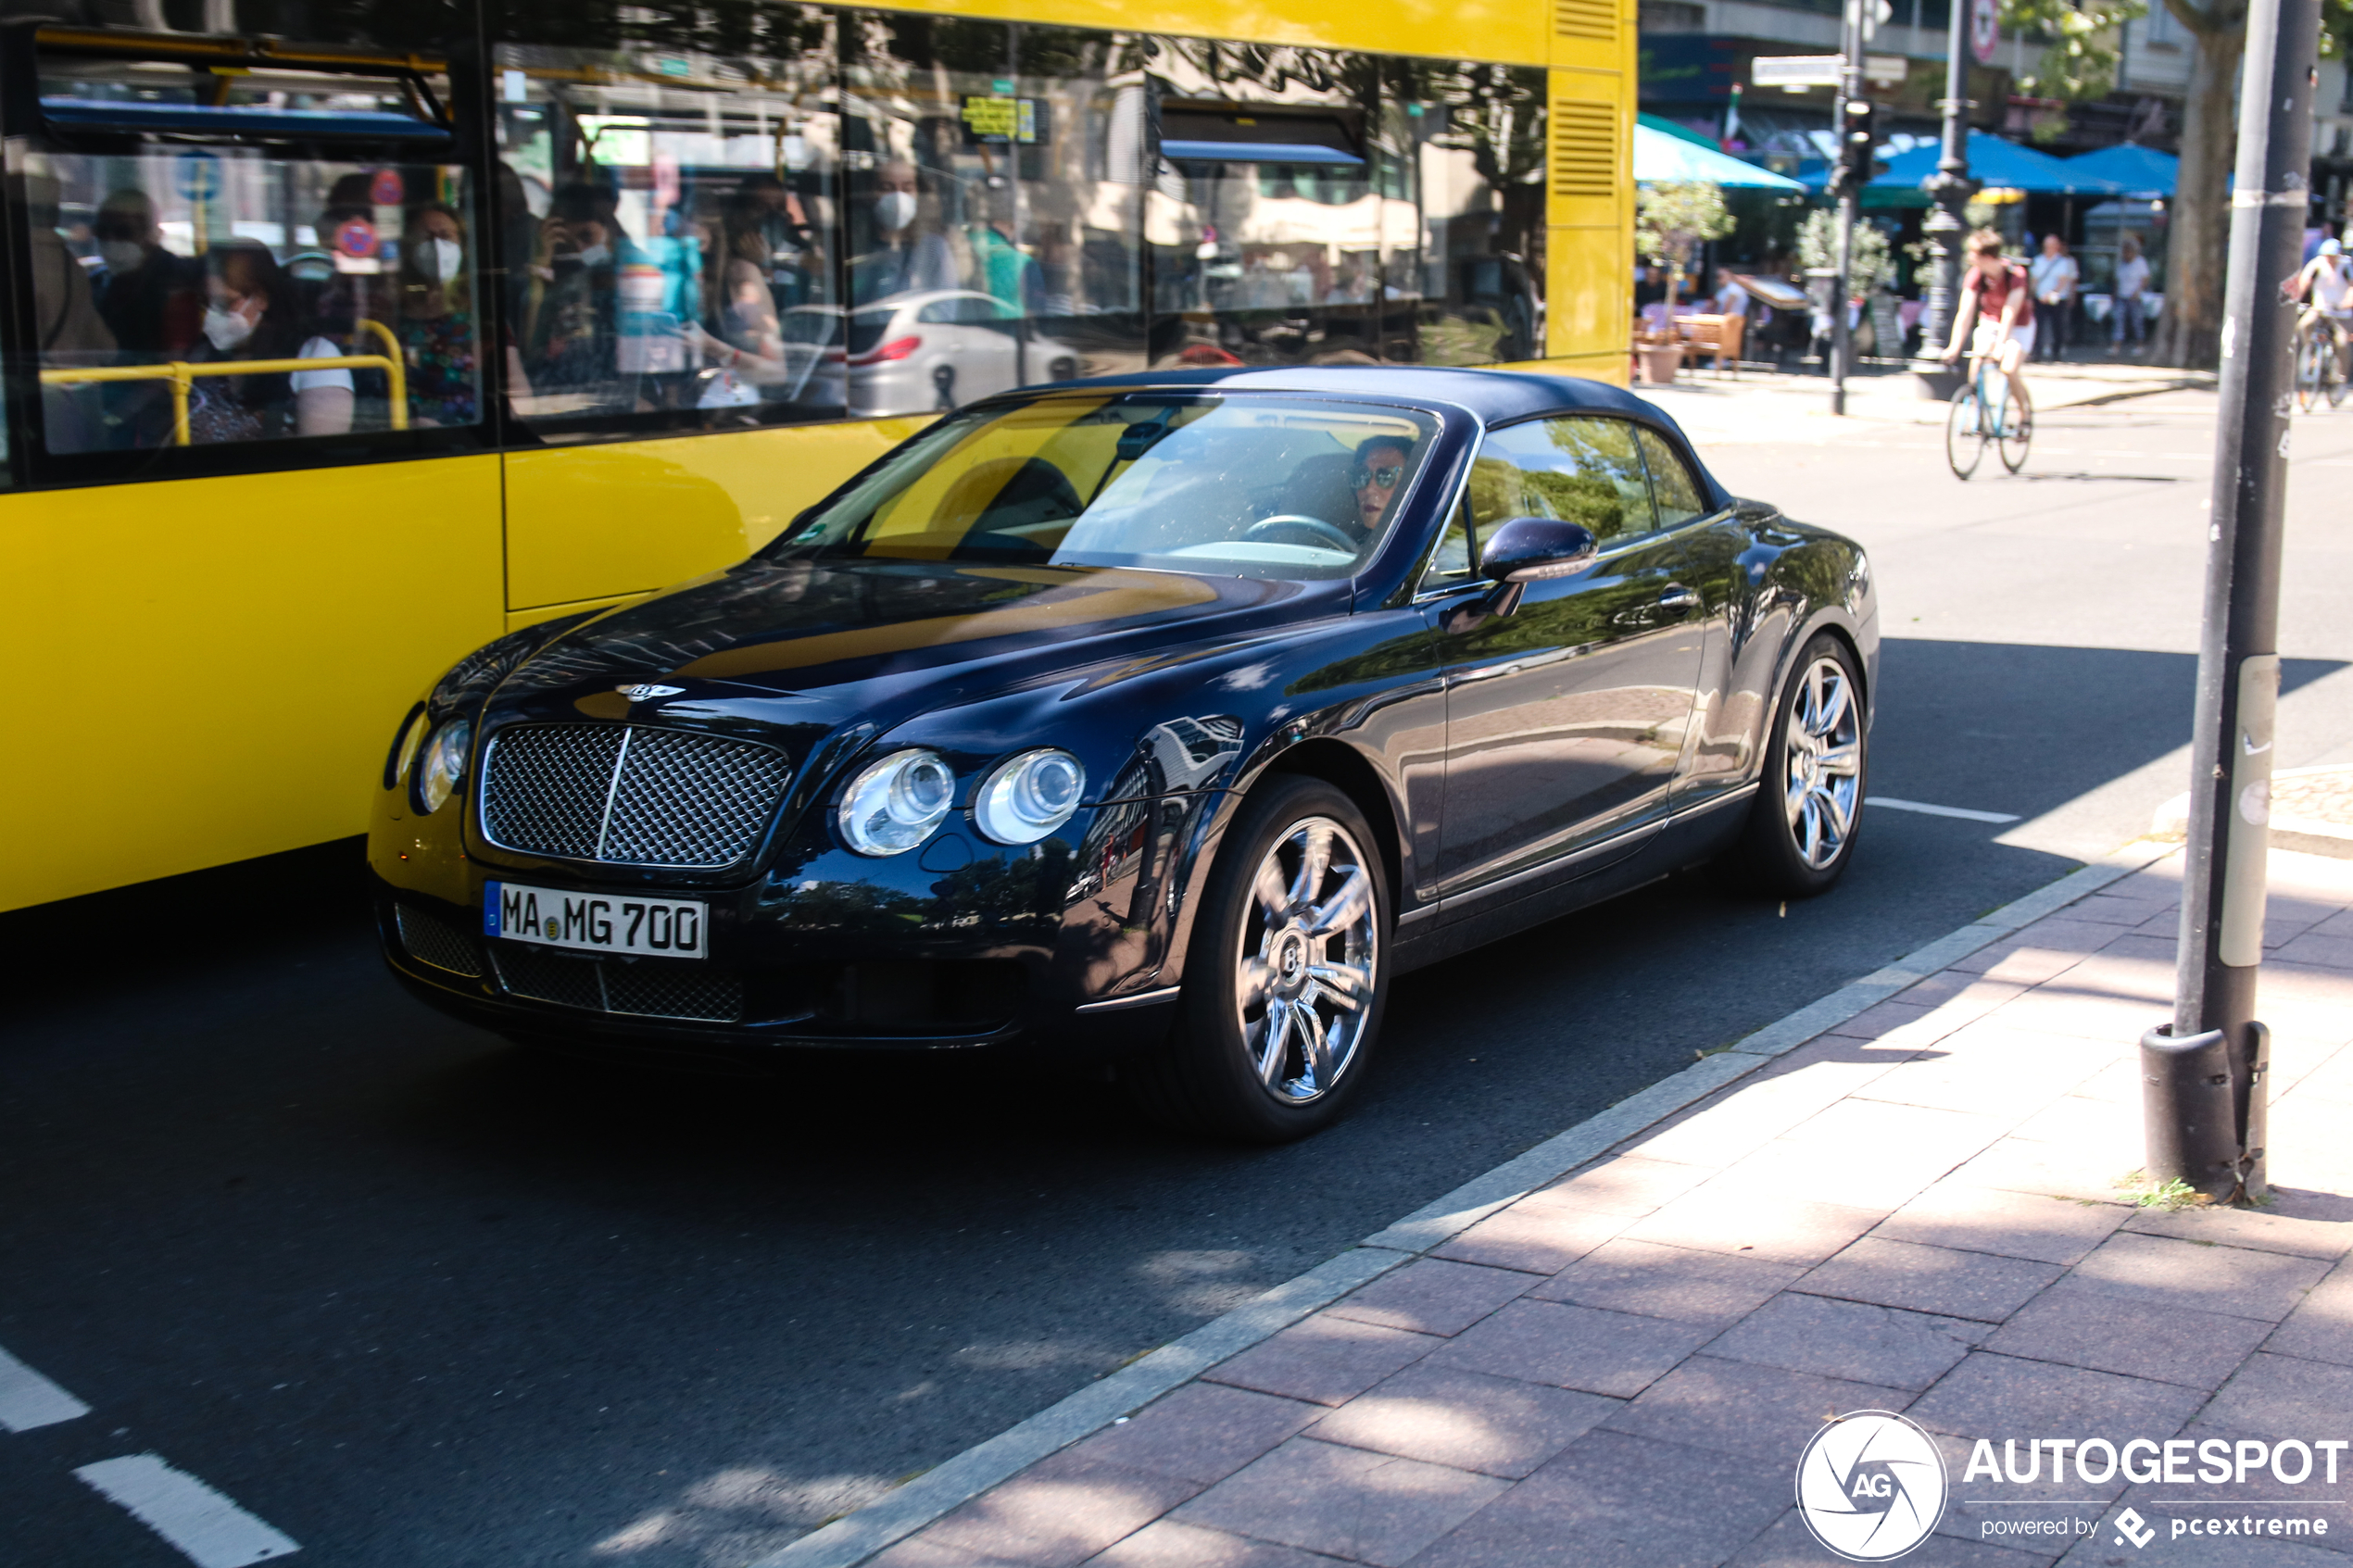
[
  {"x": 2132, "y": 282},
  {"x": 2056, "y": 279}
]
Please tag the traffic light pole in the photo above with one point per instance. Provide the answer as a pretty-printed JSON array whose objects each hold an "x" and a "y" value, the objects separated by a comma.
[
  {"x": 2238, "y": 662},
  {"x": 1850, "y": 81}
]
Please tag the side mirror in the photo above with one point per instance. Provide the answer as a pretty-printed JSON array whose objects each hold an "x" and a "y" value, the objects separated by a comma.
[
  {"x": 1529, "y": 548},
  {"x": 1523, "y": 550}
]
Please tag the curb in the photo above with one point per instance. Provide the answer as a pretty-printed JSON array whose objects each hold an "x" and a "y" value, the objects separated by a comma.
[
  {"x": 2303, "y": 835},
  {"x": 859, "y": 1534}
]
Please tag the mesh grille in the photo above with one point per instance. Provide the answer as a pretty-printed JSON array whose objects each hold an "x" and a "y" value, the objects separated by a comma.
[
  {"x": 653, "y": 989},
  {"x": 687, "y": 799},
  {"x": 1584, "y": 148},
  {"x": 629, "y": 795},
  {"x": 545, "y": 786},
  {"x": 646, "y": 990},
  {"x": 435, "y": 942},
  {"x": 543, "y": 977},
  {"x": 1585, "y": 19}
]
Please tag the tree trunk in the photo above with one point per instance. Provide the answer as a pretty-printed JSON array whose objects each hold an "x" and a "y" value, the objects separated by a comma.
[{"x": 2190, "y": 331}]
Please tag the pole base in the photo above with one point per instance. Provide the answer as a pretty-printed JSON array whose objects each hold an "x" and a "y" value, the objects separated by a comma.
[
  {"x": 1937, "y": 380},
  {"x": 2188, "y": 1112}
]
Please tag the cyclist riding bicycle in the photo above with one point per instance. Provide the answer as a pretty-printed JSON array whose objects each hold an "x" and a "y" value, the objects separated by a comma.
[
  {"x": 1997, "y": 315},
  {"x": 2327, "y": 284}
]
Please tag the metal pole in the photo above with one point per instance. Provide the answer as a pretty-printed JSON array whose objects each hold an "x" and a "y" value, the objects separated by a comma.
[
  {"x": 1950, "y": 187},
  {"x": 2238, "y": 664},
  {"x": 1850, "y": 81}
]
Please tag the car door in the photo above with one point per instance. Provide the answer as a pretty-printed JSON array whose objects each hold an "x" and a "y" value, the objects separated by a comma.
[
  {"x": 1566, "y": 719},
  {"x": 1716, "y": 544}
]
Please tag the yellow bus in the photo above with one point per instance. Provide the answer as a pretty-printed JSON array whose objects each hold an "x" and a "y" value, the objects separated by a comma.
[{"x": 343, "y": 337}]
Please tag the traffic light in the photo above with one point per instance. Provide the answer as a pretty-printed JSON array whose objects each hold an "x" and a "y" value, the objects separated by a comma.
[{"x": 1857, "y": 139}]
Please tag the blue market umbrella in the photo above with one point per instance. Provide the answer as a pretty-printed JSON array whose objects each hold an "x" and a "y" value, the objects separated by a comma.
[
  {"x": 2142, "y": 172},
  {"x": 1660, "y": 158},
  {"x": 1995, "y": 162}
]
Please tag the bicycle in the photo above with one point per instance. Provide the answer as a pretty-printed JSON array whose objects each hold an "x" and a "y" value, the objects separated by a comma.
[
  {"x": 1978, "y": 418},
  {"x": 2320, "y": 364}
]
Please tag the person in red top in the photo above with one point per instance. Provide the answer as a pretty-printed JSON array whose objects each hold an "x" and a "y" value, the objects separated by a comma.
[{"x": 1996, "y": 314}]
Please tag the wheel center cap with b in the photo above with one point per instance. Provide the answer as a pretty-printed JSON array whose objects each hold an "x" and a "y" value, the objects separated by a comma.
[{"x": 1290, "y": 957}]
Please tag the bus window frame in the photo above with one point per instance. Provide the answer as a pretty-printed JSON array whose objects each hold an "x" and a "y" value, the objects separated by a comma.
[{"x": 32, "y": 465}]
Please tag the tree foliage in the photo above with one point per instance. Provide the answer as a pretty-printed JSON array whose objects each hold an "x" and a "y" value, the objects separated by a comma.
[
  {"x": 2083, "y": 40},
  {"x": 1675, "y": 215},
  {"x": 1869, "y": 264}
]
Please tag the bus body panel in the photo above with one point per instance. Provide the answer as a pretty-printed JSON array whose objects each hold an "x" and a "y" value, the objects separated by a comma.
[
  {"x": 292, "y": 618},
  {"x": 599, "y": 521}
]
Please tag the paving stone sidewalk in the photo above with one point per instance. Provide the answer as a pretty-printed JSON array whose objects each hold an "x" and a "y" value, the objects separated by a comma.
[{"x": 1915, "y": 1212}]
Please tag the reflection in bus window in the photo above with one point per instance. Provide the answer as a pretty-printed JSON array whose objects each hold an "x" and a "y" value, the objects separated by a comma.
[
  {"x": 994, "y": 199},
  {"x": 668, "y": 204}
]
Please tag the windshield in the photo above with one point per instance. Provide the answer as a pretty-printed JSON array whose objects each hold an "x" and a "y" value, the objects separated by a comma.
[{"x": 1246, "y": 486}]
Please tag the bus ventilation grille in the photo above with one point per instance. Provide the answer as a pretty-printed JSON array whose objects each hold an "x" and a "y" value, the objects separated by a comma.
[
  {"x": 1584, "y": 148},
  {"x": 646, "y": 988},
  {"x": 1585, "y": 19},
  {"x": 629, "y": 795},
  {"x": 436, "y": 943}
]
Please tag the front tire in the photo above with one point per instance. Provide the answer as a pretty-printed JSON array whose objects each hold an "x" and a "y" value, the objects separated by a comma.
[
  {"x": 1965, "y": 430},
  {"x": 1286, "y": 975},
  {"x": 1801, "y": 829}
]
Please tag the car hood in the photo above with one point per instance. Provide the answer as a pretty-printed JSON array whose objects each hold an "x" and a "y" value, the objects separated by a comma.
[{"x": 883, "y": 639}]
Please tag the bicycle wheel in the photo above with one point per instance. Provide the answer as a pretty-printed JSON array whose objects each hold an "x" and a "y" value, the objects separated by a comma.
[
  {"x": 2017, "y": 434},
  {"x": 1965, "y": 432},
  {"x": 2336, "y": 379},
  {"x": 2312, "y": 365}
]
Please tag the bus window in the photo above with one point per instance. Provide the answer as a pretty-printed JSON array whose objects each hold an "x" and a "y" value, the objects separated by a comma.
[
  {"x": 196, "y": 283},
  {"x": 666, "y": 205},
  {"x": 993, "y": 206},
  {"x": 1323, "y": 206}
]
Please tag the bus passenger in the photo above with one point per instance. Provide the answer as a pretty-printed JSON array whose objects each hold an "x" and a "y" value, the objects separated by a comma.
[
  {"x": 907, "y": 258},
  {"x": 570, "y": 321},
  {"x": 151, "y": 299},
  {"x": 436, "y": 323},
  {"x": 251, "y": 314}
]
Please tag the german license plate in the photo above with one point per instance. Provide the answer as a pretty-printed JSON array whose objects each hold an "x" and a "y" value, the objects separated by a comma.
[{"x": 596, "y": 922}]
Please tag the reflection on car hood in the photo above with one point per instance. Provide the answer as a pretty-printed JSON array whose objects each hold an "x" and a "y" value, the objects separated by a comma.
[{"x": 817, "y": 627}]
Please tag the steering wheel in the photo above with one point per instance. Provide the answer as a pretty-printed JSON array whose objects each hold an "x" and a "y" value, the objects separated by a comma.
[{"x": 1321, "y": 531}]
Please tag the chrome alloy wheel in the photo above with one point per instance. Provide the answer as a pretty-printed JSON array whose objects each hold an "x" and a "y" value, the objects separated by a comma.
[
  {"x": 1308, "y": 960},
  {"x": 1823, "y": 786}
]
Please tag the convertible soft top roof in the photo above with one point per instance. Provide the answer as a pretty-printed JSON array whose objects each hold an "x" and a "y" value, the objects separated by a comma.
[{"x": 1494, "y": 395}]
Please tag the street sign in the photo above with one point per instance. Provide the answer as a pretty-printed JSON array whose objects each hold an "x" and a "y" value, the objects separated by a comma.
[
  {"x": 1984, "y": 29},
  {"x": 197, "y": 176},
  {"x": 1796, "y": 71},
  {"x": 1886, "y": 70}
]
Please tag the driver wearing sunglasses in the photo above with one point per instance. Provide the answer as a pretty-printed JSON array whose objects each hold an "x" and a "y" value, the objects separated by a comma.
[{"x": 1380, "y": 463}]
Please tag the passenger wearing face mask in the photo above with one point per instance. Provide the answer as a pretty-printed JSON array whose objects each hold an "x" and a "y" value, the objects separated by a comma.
[
  {"x": 437, "y": 318},
  {"x": 571, "y": 310},
  {"x": 251, "y": 313},
  {"x": 152, "y": 300},
  {"x": 909, "y": 256}
]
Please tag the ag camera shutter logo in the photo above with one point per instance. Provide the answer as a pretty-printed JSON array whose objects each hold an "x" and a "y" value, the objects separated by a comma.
[{"x": 1871, "y": 1485}]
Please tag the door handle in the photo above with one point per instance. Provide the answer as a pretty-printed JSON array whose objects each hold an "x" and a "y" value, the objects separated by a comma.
[{"x": 1678, "y": 598}]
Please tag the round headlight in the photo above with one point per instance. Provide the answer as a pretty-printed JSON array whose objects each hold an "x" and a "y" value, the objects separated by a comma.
[
  {"x": 1029, "y": 796},
  {"x": 894, "y": 804},
  {"x": 444, "y": 765}
]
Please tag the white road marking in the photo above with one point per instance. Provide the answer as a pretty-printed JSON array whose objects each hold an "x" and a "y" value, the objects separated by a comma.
[
  {"x": 210, "y": 1529},
  {"x": 28, "y": 1399},
  {"x": 1926, "y": 811}
]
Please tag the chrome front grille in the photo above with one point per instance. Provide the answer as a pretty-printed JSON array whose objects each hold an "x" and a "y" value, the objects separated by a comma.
[
  {"x": 629, "y": 795},
  {"x": 647, "y": 988},
  {"x": 431, "y": 940}
]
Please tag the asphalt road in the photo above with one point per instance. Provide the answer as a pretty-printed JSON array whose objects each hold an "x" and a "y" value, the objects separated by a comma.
[{"x": 412, "y": 1300}]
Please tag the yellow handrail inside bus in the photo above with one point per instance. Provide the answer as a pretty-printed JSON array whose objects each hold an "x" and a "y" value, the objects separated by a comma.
[{"x": 181, "y": 375}]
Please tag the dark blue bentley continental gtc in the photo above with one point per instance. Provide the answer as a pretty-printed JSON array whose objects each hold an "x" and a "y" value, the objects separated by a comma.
[{"x": 1161, "y": 721}]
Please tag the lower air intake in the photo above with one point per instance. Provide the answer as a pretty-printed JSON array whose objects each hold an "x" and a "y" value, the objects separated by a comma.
[
  {"x": 647, "y": 988},
  {"x": 436, "y": 943}
]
